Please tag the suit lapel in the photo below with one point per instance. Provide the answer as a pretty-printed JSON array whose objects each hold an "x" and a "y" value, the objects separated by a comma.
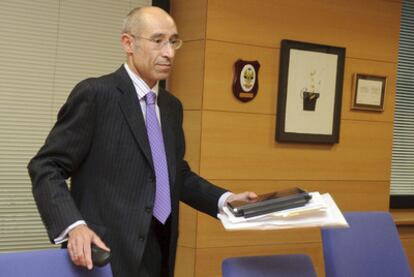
[
  {"x": 168, "y": 134},
  {"x": 131, "y": 109}
]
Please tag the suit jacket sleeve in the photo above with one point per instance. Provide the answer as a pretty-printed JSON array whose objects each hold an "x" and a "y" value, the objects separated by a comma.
[
  {"x": 65, "y": 147},
  {"x": 199, "y": 193}
]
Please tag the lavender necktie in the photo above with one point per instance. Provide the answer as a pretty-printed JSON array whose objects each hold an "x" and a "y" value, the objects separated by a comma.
[{"x": 162, "y": 205}]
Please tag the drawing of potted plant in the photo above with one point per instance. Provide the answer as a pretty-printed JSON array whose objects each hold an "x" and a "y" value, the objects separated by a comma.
[{"x": 310, "y": 93}]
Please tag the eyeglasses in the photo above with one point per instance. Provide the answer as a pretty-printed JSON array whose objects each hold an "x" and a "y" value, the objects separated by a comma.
[{"x": 159, "y": 43}]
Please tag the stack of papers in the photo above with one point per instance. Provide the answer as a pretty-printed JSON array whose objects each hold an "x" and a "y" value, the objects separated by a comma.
[{"x": 320, "y": 211}]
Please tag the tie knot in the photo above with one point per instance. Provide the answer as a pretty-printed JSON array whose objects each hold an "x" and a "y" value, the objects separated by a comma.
[{"x": 150, "y": 98}]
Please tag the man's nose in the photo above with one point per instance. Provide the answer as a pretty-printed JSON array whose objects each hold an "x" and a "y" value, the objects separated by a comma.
[{"x": 168, "y": 50}]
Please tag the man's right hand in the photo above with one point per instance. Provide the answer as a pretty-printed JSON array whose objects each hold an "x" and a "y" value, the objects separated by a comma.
[{"x": 79, "y": 245}]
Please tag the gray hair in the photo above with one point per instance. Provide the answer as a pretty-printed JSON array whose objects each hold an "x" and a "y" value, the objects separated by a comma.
[{"x": 133, "y": 21}]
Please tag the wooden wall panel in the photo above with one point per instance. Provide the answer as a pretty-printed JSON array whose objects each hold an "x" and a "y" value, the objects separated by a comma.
[
  {"x": 242, "y": 146},
  {"x": 407, "y": 239},
  {"x": 187, "y": 226},
  {"x": 187, "y": 78},
  {"x": 403, "y": 217},
  {"x": 208, "y": 260},
  {"x": 190, "y": 17},
  {"x": 219, "y": 67},
  {"x": 185, "y": 262},
  {"x": 409, "y": 250},
  {"x": 369, "y": 29},
  {"x": 192, "y": 132},
  {"x": 188, "y": 216},
  {"x": 232, "y": 144},
  {"x": 220, "y": 58},
  {"x": 406, "y": 232}
]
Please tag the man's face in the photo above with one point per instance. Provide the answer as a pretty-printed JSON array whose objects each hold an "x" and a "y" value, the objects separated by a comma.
[{"x": 149, "y": 58}]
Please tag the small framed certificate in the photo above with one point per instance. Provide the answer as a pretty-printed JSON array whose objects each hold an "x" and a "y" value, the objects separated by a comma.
[{"x": 369, "y": 92}]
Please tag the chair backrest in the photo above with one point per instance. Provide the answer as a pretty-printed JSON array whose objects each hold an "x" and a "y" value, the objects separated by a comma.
[
  {"x": 42, "y": 263},
  {"x": 370, "y": 247},
  {"x": 298, "y": 265}
]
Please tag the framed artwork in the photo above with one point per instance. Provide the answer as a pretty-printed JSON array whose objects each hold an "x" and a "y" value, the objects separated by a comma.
[
  {"x": 368, "y": 92},
  {"x": 310, "y": 92}
]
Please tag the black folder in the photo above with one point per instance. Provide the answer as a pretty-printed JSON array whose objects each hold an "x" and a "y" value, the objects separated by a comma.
[{"x": 271, "y": 202}]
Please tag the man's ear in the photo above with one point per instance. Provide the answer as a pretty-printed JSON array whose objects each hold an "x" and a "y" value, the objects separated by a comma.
[{"x": 127, "y": 42}]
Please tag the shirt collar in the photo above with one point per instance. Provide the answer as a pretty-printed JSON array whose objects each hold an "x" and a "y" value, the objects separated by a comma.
[{"x": 140, "y": 86}]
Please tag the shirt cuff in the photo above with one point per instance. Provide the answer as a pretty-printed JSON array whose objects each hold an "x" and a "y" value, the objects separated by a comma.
[
  {"x": 64, "y": 235},
  {"x": 222, "y": 200}
]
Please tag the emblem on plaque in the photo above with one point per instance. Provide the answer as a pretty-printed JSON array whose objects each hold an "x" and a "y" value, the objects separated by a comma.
[{"x": 245, "y": 82}]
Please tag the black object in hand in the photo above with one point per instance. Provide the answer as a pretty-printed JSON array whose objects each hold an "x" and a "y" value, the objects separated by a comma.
[
  {"x": 100, "y": 257},
  {"x": 270, "y": 202}
]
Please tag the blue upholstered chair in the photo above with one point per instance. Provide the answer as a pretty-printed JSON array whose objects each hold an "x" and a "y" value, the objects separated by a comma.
[
  {"x": 45, "y": 263},
  {"x": 297, "y": 265},
  {"x": 371, "y": 247}
]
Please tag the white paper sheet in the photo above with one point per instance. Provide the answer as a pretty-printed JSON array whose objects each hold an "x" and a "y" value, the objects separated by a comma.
[{"x": 321, "y": 211}]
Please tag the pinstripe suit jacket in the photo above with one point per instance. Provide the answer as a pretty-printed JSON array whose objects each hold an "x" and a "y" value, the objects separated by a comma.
[{"x": 100, "y": 141}]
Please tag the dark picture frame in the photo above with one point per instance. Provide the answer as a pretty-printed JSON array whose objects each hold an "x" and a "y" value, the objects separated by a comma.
[
  {"x": 368, "y": 92},
  {"x": 310, "y": 92}
]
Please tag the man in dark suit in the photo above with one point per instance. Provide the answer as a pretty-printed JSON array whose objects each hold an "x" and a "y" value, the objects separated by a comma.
[{"x": 125, "y": 185}]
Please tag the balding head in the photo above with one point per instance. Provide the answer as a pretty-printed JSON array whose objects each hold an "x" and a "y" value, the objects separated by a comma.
[
  {"x": 140, "y": 19},
  {"x": 149, "y": 39}
]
